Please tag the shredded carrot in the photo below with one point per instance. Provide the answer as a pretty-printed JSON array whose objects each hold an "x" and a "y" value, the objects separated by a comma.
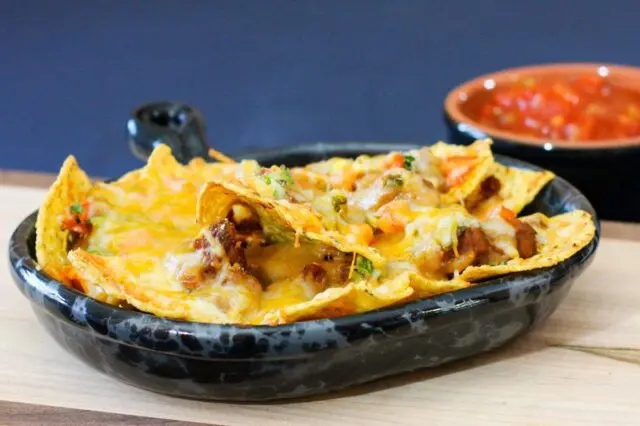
[
  {"x": 216, "y": 155},
  {"x": 353, "y": 265},
  {"x": 346, "y": 180},
  {"x": 394, "y": 159},
  {"x": 509, "y": 216},
  {"x": 308, "y": 180},
  {"x": 455, "y": 169}
]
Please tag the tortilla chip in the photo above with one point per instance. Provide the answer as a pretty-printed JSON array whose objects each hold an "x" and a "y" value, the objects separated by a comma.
[
  {"x": 150, "y": 210},
  {"x": 147, "y": 285},
  {"x": 145, "y": 191},
  {"x": 280, "y": 219},
  {"x": 560, "y": 238},
  {"x": 363, "y": 296},
  {"x": 331, "y": 303},
  {"x": 163, "y": 172},
  {"x": 481, "y": 160},
  {"x": 71, "y": 186},
  {"x": 90, "y": 272},
  {"x": 425, "y": 287},
  {"x": 335, "y": 302},
  {"x": 518, "y": 187}
]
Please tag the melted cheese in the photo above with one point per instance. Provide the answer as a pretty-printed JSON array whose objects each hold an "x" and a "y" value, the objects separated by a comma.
[
  {"x": 287, "y": 292},
  {"x": 280, "y": 261},
  {"x": 141, "y": 247},
  {"x": 502, "y": 235}
]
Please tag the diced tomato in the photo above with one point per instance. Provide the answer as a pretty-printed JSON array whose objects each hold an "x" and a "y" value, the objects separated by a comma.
[
  {"x": 363, "y": 233},
  {"x": 580, "y": 108},
  {"x": 455, "y": 169},
  {"x": 395, "y": 159},
  {"x": 346, "y": 180},
  {"x": 77, "y": 222},
  {"x": 508, "y": 215}
]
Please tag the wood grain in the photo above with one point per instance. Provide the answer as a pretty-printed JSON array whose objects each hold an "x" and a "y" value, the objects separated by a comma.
[
  {"x": 30, "y": 179},
  {"x": 580, "y": 367},
  {"x": 18, "y": 414}
]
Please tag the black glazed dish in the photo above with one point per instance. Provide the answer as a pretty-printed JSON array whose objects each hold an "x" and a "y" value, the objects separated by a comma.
[
  {"x": 222, "y": 362},
  {"x": 603, "y": 172}
]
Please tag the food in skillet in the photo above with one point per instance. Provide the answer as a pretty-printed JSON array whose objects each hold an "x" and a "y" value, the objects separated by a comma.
[{"x": 241, "y": 243}]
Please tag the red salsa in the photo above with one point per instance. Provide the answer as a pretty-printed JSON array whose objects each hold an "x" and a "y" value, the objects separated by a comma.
[{"x": 585, "y": 108}]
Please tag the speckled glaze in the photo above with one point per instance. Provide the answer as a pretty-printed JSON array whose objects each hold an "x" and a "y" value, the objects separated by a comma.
[{"x": 207, "y": 361}]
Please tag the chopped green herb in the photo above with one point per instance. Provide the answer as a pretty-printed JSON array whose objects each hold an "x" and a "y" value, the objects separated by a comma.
[
  {"x": 285, "y": 176},
  {"x": 339, "y": 201},
  {"x": 364, "y": 267},
  {"x": 282, "y": 177},
  {"x": 76, "y": 208},
  {"x": 393, "y": 180},
  {"x": 408, "y": 162}
]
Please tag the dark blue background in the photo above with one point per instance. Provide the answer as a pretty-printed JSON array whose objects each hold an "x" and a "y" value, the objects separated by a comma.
[{"x": 270, "y": 72}]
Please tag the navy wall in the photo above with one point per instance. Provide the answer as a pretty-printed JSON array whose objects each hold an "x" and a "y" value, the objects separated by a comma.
[{"x": 270, "y": 72}]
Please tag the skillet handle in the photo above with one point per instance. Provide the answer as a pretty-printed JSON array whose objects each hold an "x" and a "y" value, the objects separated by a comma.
[{"x": 178, "y": 125}]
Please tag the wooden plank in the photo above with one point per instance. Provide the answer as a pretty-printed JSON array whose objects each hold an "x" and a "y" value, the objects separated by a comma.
[
  {"x": 30, "y": 179},
  {"x": 579, "y": 368},
  {"x": 18, "y": 414},
  {"x": 621, "y": 230}
]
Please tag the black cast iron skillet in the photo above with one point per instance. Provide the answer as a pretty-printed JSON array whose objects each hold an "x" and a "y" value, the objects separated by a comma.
[{"x": 208, "y": 361}]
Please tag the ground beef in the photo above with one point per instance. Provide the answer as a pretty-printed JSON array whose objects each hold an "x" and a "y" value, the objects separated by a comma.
[
  {"x": 473, "y": 239},
  {"x": 225, "y": 232},
  {"x": 473, "y": 249},
  {"x": 526, "y": 240},
  {"x": 314, "y": 272},
  {"x": 488, "y": 188}
]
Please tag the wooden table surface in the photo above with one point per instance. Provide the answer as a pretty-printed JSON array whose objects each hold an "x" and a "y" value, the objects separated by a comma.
[{"x": 13, "y": 413}]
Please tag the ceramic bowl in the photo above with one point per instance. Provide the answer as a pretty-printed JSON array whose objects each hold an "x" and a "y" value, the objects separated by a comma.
[
  {"x": 258, "y": 363},
  {"x": 602, "y": 171}
]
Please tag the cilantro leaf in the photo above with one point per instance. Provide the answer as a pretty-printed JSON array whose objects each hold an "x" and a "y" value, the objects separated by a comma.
[
  {"x": 338, "y": 201},
  {"x": 76, "y": 208},
  {"x": 393, "y": 180},
  {"x": 285, "y": 176},
  {"x": 363, "y": 267},
  {"x": 282, "y": 177},
  {"x": 408, "y": 162}
]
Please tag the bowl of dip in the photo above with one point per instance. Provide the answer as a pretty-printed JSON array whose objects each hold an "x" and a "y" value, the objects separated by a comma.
[{"x": 579, "y": 120}]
